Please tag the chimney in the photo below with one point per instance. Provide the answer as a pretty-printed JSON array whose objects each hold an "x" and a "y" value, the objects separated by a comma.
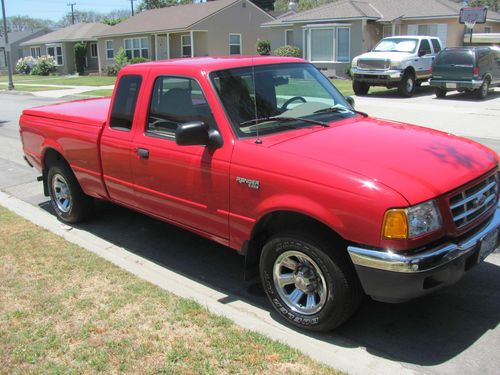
[{"x": 292, "y": 5}]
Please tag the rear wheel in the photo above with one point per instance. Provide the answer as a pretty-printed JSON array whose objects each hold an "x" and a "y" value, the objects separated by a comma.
[
  {"x": 439, "y": 92},
  {"x": 406, "y": 86},
  {"x": 69, "y": 201},
  {"x": 309, "y": 282},
  {"x": 360, "y": 88},
  {"x": 482, "y": 92}
]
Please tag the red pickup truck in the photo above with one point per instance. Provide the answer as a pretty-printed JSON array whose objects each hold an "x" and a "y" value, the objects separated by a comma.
[{"x": 264, "y": 155}]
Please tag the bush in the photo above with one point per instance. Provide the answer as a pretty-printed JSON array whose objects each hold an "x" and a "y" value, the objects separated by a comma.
[
  {"x": 80, "y": 50},
  {"x": 290, "y": 51},
  {"x": 44, "y": 66},
  {"x": 120, "y": 61},
  {"x": 25, "y": 64},
  {"x": 263, "y": 47},
  {"x": 138, "y": 60}
]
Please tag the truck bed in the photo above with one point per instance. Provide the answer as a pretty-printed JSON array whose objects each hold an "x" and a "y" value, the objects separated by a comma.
[{"x": 73, "y": 129}]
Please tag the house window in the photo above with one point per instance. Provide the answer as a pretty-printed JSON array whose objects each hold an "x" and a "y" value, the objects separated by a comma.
[
  {"x": 487, "y": 29},
  {"x": 387, "y": 30},
  {"x": 235, "y": 44},
  {"x": 343, "y": 40},
  {"x": 56, "y": 52},
  {"x": 429, "y": 30},
  {"x": 289, "y": 37},
  {"x": 322, "y": 44},
  {"x": 93, "y": 49},
  {"x": 110, "y": 52},
  {"x": 137, "y": 47},
  {"x": 35, "y": 52},
  {"x": 186, "y": 45}
]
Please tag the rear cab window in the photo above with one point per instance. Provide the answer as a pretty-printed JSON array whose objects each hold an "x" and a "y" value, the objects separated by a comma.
[
  {"x": 122, "y": 113},
  {"x": 436, "y": 45}
]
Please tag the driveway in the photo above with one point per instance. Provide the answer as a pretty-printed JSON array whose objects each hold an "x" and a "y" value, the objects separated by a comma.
[{"x": 454, "y": 331}]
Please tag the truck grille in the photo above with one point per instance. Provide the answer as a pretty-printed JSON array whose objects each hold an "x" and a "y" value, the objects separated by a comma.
[
  {"x": 471, "y": 203},
  {"x": 373, "y": 64}
]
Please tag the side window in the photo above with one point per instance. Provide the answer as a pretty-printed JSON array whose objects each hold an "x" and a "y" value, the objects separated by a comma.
[
  {"x": 126, "y": 95},
  {"x": 174, "y": 101},
  {"x": 435, "y": 44},
  {"x": 425, "y": 48}
]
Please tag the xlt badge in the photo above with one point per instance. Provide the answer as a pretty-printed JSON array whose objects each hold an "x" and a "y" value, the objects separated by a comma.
[{"x": 252, "y": 184}]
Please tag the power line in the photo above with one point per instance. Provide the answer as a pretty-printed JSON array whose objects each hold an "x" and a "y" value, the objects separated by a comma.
[{"x": 72, "y": 12}]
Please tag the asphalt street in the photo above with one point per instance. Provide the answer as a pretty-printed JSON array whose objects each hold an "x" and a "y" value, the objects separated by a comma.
[{"x": 454, "y": 331}]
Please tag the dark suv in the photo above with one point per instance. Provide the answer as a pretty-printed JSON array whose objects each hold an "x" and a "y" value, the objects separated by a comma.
[{"x": 471, "y": 69}]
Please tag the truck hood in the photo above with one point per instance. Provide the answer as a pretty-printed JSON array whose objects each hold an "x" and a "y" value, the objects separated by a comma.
[
  {"x": 393, "y": 56},
  {"x": 417, "y": 162}
]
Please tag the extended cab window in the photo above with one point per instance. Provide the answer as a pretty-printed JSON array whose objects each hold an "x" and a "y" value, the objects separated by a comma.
[
  {"x": 435, "y": 44},
  {"x": 126, "y": 95},
  {"x": 174, "y": 101}
]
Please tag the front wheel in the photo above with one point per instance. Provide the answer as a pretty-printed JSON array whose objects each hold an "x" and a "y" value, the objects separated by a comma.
[
  {"x": 360, "y": 88},
  {"x": 406, "y": 86},
  {"x": 309, "y": 285},
  {"x": 69, "y": 201}
]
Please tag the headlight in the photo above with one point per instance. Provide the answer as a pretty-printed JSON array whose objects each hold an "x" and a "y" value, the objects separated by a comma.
[
  {"x": 395, "y": 64},
  {"x": 354, "y": 63},
  {"x": 412, "y": 222}
]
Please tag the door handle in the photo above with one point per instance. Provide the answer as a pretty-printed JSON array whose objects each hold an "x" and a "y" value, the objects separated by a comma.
[{"x": 142, "y": 152}]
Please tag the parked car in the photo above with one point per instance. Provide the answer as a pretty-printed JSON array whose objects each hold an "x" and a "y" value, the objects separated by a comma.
[
  {"x": 397, "y": 61},
  {"x": 325, "y": 201},
  {"x": 471, "y": 69}
]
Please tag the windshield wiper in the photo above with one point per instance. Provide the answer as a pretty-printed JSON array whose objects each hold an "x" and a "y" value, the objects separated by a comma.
[
  {"x": 340, "y": 110},
  {"x": 282, "y": 118}
]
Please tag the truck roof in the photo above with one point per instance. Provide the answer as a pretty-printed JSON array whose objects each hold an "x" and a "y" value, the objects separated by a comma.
[
  {"x": 214, "y": 63},
  {"x": 411, "y": 36}
]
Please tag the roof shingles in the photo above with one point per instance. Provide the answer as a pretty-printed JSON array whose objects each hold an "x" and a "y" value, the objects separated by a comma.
[{"x": 73, "y": 33}]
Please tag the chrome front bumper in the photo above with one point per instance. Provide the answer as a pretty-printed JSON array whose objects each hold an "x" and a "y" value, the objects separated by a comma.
[{"x": 423, "y": 261}]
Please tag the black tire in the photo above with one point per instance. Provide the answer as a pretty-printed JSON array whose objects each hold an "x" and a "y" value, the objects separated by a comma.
[
  {"x": 69, "y": 201},
  {"x": 439, "y": 92},
  {"x": 341, "y": 295},
  {"x": 406, "y": 87},
  {"x": 482, "y": 92},
  {"x": 360, "y": 88}
]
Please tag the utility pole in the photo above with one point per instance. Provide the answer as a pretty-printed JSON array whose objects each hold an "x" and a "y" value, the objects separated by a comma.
[
  {"x": 72, "y": 12},
  {"x": 7, "y": 48},
  {"x": 132, "y": 6}
]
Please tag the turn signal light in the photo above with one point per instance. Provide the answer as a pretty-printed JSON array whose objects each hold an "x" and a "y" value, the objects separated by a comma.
[{"x": 395, "y": 224}]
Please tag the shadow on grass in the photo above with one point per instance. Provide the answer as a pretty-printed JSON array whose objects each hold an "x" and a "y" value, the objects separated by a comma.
[{"x": 427, "y": 331}]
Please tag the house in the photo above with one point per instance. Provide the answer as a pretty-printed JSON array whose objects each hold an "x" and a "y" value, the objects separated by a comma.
[
  {"x": 221, "y": 27},
  {"x": 16, "y": 52},
  {"x": 332, "y": 34},
  {"x": 60, "y": 44}
]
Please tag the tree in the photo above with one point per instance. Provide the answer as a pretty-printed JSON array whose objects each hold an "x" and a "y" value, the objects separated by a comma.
[
  {"x": 81, "y": 16},
  {"x": 80, "y": 54},
  {"x": 491, "y": 4},
  {"x": 20, "y": 23},
  {"x": 282, "y": 5},
  {"x": 264, "y": 4},
  {"x": 154, "y": 4}
]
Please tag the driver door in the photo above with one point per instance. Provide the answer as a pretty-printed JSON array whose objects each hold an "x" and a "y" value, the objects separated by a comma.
[{"x": 187, "y": 185}]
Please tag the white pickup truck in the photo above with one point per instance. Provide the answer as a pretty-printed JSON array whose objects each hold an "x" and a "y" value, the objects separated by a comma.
[{"x": 398, "y": 61}]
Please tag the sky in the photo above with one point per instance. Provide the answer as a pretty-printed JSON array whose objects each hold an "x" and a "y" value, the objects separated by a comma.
[{"x": 55, "y": 9}]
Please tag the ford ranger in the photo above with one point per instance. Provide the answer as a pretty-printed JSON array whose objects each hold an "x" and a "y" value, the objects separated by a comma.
[{"x": 264, "y": 155}]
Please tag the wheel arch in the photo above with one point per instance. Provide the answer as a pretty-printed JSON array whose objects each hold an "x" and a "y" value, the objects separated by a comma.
[
  {"x": 279, "y": 220},
  {"x": 50, "y": 156}
]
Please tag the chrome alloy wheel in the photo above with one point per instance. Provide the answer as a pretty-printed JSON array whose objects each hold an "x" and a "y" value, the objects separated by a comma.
[
  {"x": 62, "y": 194},
  {"x": 409, "y": 84},
  {"x": 300, "y": 282}
]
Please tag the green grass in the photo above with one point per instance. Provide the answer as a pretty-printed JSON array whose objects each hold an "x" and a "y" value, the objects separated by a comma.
[
  {"x": 104, "y": 92},
  {"x": 65, "y": 310},
  {"x": 64, "y": 80}
]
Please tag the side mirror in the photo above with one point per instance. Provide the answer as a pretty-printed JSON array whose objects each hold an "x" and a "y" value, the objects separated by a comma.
[
  {"x": 350, "y": 100},
  {"x": 197, "y": 133}
]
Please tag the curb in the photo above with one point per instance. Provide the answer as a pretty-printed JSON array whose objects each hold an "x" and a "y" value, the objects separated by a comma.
[{"x": 345, "y": 356}]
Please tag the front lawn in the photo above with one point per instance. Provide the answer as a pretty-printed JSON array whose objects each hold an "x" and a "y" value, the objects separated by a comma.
[
  {"x": 103, "y": 92},
  {"x": 65, "y": 310},
  {"x": 3, "y": 87},
  {"x": 63, "y": 80}
]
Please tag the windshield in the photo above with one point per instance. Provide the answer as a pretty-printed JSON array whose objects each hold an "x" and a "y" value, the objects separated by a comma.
[
  {"x": 267, "y": 99},
  {"x": 396, "y": 45}
]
